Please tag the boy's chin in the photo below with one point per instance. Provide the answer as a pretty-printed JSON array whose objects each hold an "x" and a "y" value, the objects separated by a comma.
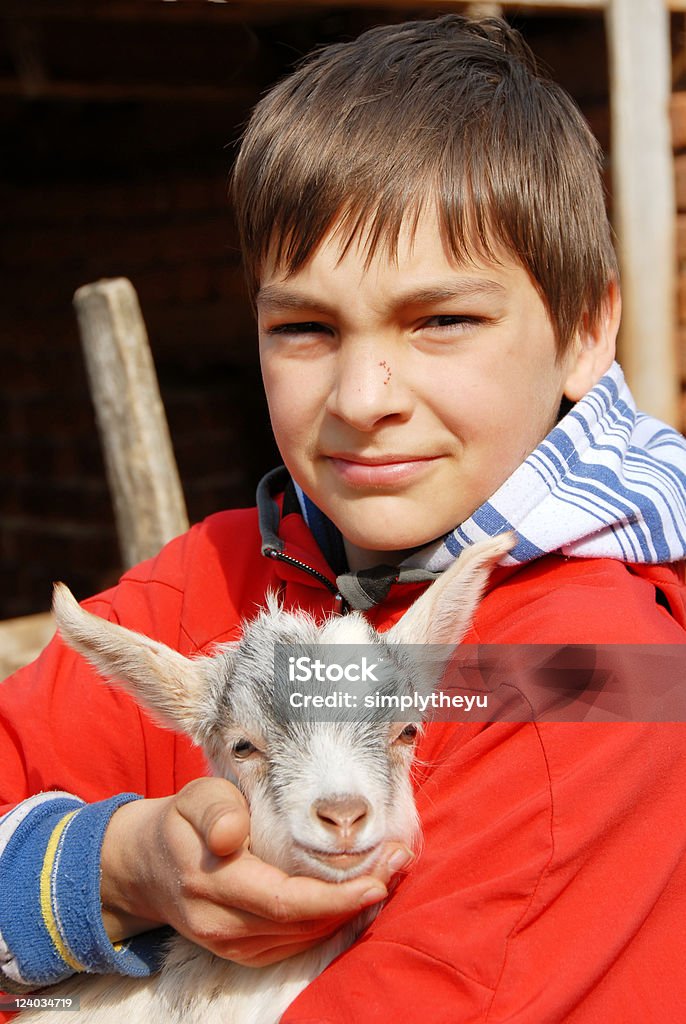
[
  {"x": 384, "y": 528},
  {"x": 382, "y": 548}
]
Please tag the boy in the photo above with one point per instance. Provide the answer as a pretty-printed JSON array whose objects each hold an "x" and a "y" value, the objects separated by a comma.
[{"x": 425, "y": 237}]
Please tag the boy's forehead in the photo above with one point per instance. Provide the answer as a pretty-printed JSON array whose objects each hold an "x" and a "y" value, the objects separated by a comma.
[{"x": 418, "y": 264}]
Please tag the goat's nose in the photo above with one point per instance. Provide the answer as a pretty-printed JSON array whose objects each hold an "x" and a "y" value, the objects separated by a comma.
[{"x": 343, "y": 815}]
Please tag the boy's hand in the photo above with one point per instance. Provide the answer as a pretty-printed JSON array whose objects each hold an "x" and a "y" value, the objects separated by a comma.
[{"x": 184, "y": 860}]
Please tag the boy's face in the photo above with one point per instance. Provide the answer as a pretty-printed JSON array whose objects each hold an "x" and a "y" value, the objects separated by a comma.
[{"x": 403, "y": 395}]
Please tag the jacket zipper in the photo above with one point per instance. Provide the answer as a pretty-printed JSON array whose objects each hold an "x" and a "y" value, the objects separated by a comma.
[{"x": 341, "y": 604}]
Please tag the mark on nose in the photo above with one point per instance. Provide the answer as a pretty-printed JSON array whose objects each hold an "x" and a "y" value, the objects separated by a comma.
[
  {"x": 343, "y": 816},
  {"x": 387, "y": 369}
]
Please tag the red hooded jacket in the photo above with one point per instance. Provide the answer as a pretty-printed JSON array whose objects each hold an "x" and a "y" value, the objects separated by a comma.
[{"x": 552, "y": 882}]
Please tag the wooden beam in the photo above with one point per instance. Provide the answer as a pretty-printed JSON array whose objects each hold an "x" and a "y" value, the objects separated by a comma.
[
  {"x": 27, "y": 54},
  {"x": 115, "y": 92},
  {"x": 643, "y": 199},
  {"x": 551, "y": 5},
  {"x": 680, "y": 182},
  {"x": 141, "y": 469},
  {"x": 129, "y": 10},
  {"x": 484, "y": 9},
  {"x": 244, "y": 10},
  {"x": 678, "y": 119},
  {"x": 681, "y": 243}
]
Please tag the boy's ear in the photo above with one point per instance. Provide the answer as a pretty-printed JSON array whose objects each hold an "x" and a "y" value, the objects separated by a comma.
[
  {"x": 169, "y": 685},
  {"x": 593, "y": 349}
]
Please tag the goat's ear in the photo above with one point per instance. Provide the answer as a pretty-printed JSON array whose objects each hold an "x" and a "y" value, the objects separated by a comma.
[
  {"x": 168, "y": 684},
  {"x": 443, "y": 614}
]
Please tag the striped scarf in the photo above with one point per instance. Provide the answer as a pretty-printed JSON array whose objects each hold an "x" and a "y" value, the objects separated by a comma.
[{"x": 606, "y": 482}]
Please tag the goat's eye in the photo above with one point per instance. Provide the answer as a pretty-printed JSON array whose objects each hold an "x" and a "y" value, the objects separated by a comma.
[
  {"x": 409, "y": 734},
  {"x": 243, "y": 749}
]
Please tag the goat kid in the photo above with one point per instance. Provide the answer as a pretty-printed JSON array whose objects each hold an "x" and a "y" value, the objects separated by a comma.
[{"x": 323, "y": 796}]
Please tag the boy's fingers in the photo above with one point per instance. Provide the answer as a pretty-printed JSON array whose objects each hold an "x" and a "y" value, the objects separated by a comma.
[
  {"x": 394, "y": 857},
  {"x": 291, "y": 899},
  {"x": 218, "y": 812},
  {"x": 267, "y": 892},
  {"x": 273, "y": 955},
  {"x": 261, "y": 950}
]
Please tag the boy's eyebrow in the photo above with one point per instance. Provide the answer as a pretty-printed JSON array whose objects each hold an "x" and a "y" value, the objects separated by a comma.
[
  {"x": 276, "y": 297},
  {"x": 463, "y": 289},
  {"x": 273, "y": 296}
]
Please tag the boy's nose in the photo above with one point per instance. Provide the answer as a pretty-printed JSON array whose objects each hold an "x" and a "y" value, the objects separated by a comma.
[{"x": 369, "y": 387}]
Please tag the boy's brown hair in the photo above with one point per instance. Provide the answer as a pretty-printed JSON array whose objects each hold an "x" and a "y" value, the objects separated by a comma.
[{"x": 451, "y": 111}]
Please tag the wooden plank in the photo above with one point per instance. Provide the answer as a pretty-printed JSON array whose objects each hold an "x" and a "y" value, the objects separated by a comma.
[
  {"x": 551, "y": 5},
  {"x": 680, "y": 181},
  {"x": 217, "y": 10},
  {"x": 643, "y": 199},
  {"x": 681, "y": 337},
  {"x": 681, "y": 236},
  {"x": 144, "y": 481},
  {"x": 115, "y": 92},
  {"x": 159, "y": 242},
  {"x": 243, "y": 10},
  {"x": 22, "y": 640},
  {"x": 150, "y": 11},
  {"x": 677, "y": 113}
]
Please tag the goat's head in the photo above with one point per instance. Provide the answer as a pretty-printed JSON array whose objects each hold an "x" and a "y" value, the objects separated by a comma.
[{"x": 323, "y": 795}]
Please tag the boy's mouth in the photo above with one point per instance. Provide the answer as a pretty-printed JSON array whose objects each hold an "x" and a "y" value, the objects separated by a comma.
[{"x": 379, "y": 470}]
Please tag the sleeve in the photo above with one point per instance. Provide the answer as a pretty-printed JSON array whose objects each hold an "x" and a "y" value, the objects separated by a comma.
[{"x": 50, "y": 917}]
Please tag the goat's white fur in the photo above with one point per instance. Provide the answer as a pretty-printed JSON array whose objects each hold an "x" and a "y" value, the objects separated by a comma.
[{"x": 329, "y": 758}]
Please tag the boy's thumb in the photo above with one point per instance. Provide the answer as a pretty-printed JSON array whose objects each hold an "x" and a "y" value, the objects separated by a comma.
[{"x": 218, "y": 812}]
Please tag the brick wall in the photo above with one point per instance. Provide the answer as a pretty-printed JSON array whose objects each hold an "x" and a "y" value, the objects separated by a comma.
[{"x": 171, "y": 234}]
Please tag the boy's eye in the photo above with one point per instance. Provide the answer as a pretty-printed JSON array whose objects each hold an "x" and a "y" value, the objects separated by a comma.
[
  {"x": 305, "y": 327},
  {"x": 451, "y": 321}
]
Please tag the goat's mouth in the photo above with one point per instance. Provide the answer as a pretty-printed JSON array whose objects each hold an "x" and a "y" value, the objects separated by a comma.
[{"x": 345, "y": 861}]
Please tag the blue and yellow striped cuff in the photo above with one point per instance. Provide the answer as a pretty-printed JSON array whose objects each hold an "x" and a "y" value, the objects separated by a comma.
[{"x": 50, "y": 915}]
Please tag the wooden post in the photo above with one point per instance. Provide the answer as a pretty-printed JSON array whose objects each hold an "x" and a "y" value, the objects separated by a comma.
[
  {"x": 141, "y": 468},
  {"x": 643, "y": 199},
  {"x": 482, "y": 9},
  {"x": 22, "y": 640}
]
